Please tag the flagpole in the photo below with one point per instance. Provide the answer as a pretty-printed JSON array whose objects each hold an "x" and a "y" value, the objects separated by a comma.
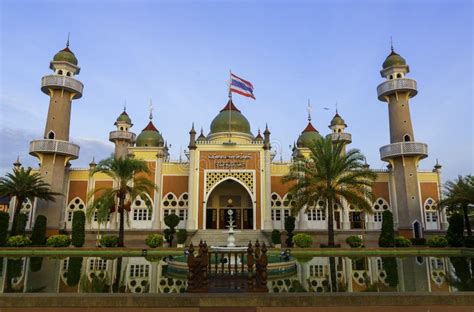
[{"x": 230, "y": 107}]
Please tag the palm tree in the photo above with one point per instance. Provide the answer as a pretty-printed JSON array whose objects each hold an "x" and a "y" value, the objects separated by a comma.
[
  {"x": 330, "y": 174},
  {"x": 130, "y": 182},
  {"x": 24, "y": 184},
  {"x": 459, "y": 196}
]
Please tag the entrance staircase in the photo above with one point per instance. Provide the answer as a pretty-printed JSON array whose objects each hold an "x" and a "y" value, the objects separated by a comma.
[{"x": 219, "y": 237}]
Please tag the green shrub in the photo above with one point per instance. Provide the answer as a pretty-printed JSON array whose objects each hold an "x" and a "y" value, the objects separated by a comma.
[
  {"x": 38, "y": 235},
  {"x": 78, "y": 228},
  {"x": 469, "y": 241},
  {"x": 154, "y": 240},
  {"x": 401, "y": 241},
  {"x": 109, "y": 240},
  {"x": 437, "y": 241},
  {"x": 390, "y": 266},
  {"x": 171, "y": 220},
  {"x": 4, "y": 220},
  {"x": 302, "y": 240},
  {"x": 386, "y": 238},
  {"x": 74, "y": 271},
  {"x": 289, "y": 228},
  {"x": 455, "y": 232},
  {"x": 355, "y": 241},
  {"x": 18, "y": 241},
  {"x": 276, "y": 237},
  {"x": 59, "y": 240},
  {"x": 21, "y": 223},
  {"x": 181, "y": 236}
]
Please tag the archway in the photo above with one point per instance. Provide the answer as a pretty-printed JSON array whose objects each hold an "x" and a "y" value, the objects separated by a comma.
[{"x": 229, "y": 195}]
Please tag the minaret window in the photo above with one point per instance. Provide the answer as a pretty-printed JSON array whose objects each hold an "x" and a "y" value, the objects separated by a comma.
[
  {"x": 391, "y": 77},
  {"x": 51, "y": 135},
  {"x": 407, "y": 138},
  {"x": 60, "y": 72},
  {"x": 399, "y": 75},
  {"x": 68, "y": 74}
]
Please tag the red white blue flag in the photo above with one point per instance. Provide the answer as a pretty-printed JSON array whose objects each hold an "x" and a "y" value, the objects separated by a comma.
[{"x": 241, "y": 86}]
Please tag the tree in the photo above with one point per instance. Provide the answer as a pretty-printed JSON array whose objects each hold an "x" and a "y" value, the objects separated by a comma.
[
  {"x": 4, "y": 219},
  {"x": 387, "y": 235},
  {"x": 331, "y": 175},
  {"x": 78, "y": 228},
  {"x": 130, "y": 182},
  {"x": 38, "y": 235},
  {"x": 459, "y": 197},
  {"x": 171, "y": 220},
  {"x": 24, "y": 184},
  {"x": 289, "y": 228},
  {"x": 455, "y": 232}
]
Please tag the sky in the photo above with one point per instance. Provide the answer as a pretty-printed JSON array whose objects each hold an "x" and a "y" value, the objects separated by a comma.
[{"x": 179, "y": 53}]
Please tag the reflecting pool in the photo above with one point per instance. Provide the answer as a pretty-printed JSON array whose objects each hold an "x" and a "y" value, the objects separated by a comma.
[{"x": 306, "y": 274}]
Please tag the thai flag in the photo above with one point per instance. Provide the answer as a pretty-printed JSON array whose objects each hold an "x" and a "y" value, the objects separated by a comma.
[{"x": 241, "y": 86}]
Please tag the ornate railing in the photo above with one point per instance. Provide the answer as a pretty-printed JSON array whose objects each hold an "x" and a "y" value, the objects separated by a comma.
[
  {"x": 399, "y": 84},
  {"x": 346, "y": 137},
  {"x": 54, "y": 146},
  {"x": 122, "y": 135},
  {"x": 65, "y": 82},
  {"x": 404, "y": 149}
]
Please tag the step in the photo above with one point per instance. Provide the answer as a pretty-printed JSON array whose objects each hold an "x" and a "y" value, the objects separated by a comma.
[{"x": 219, "y": 237}]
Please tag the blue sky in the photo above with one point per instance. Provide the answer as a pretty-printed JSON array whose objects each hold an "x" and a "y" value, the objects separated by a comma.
[{"x": 179, "y": 53}]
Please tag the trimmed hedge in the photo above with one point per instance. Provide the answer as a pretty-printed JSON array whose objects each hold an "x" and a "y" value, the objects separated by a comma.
[
  {"x": 172, "y": 221},
  {"x": 303, "y": 240},
  {"x": 455, "y": 232},
  {"x": 181, "y": 236},
  {"x": 74, "y": 271},
  {"x": 437, "y": 241},
  {"x": 355, "y": 241},
  {"x": 387, "y": 235},
  {"x": 401, "y": 241},
  {"x": 78, "y": 228},
  {"x": 418, "y": 241},
  {"x": 289, "y": 228},
  {"x": 4, "y": 220},
  {"x": 18, "y": 241},
  {"x": 59, "y": 240},
  {"x": 21, "y": 224},
  {"x": 109, "y": 241},
  {"x": 154, "y": 240},
  {"x": 38, "y": 235},
  {"x": 36, "y": 263},
  {"x": 276, "y": 237}
]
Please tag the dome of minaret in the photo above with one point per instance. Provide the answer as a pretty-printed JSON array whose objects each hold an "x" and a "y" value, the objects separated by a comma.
[
  {"x": 337, "y": 121},
  {"x": 230, "y": 113},
  {"x": 123, "y": 118},
  {"x": 393, "y": 59},
  {"x": 65, "y": 55},
  {"x": 308, "y": 136}
]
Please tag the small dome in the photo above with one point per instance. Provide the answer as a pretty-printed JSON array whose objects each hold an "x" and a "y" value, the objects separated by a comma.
[
  {"x": 238, "y": 122},
  {"x": 393, "y": 59},
  {"x": 65, "y": 55},
  {"x": 308, "y": 136},
  {"x": 124, "y": 118},
  {"x": 149, "y": 137},
  {"x": 337, "y": 121}
]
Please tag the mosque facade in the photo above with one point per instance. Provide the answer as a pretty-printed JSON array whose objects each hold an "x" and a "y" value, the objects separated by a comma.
[{"x": 232, "y": 168}]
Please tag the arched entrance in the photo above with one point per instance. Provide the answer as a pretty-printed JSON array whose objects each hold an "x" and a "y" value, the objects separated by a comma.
[{"x": 229, "y": 195}]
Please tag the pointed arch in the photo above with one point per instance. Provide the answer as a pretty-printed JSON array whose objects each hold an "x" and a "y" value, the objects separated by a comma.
[
  {"x": 431, "y": 214},
  {"x": 76, "y": 204},
  {"x": 140, "y": 208}
]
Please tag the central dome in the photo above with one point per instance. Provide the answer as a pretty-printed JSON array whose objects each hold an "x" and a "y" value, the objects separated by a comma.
[
  {"x": 308, "y": 136},
  {"x": 230, "y": 113}
]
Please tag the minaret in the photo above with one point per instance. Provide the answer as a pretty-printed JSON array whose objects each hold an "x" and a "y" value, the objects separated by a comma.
[
  {"x": 123, "y": 138},
  {"x": 54, "y": 151},
  {"x": 338, "y": 130},
  {"x": 268, "y": 224},
  {"x": 403, "y": 153},
  {"x": 193, "y": 163}
]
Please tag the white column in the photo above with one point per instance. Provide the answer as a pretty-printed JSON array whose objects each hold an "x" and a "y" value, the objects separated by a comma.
[
  {"x": 191, "y": 222},
  {"x": 346, "y": 225},
  {"x": 267, "y": 225}
]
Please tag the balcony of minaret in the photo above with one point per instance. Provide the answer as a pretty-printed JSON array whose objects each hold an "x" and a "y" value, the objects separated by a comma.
[
  {"x": 62, "y": 82},
  {"x": 340, "y": 136},
  {"x": 48, "y": 146},
  {"x": 396, "y": 85},
  {"x": 122, "y": 135},
  {"x": 404, "y": 149}
]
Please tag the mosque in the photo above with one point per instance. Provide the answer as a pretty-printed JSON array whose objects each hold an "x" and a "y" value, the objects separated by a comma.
[{"x": 232, "y": 168}]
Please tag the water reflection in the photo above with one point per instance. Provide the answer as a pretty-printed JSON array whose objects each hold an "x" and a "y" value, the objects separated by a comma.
[{"x": 318, "y": 274}]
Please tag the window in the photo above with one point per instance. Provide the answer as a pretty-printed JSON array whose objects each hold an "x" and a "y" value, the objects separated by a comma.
[
  {"x": 407, "y": 138},
  {"x": 68, "y": 74},
  {"x": 51, "y": 135},
  {"x": 76, "y": 204},
  {"x": 378, "y": 216},
  {"x": 95, "y": 217},
  {"x": 60, "y": 72},
  {"x": 142, "y": 208},
  {"x": 316, "y": 215},
  {"x": 316, "y": 270},
  {"x": 139, "y": 270},
  {"x": 399, "y": 75},
  {"x": 141, "y": 214},
  {"x": 175, "y": 205},
  {"x": 276, "y": 214},
  {"x": 97, "y": 264},
  {"x": 380, "y": 205}
]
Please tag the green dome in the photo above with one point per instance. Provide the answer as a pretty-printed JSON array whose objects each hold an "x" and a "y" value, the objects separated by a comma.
[
  {"x": 149, "y": 137},
  {"x": 393, "y": 59},
  {"x": 337, "y": 121},
  {"x": 238, "y": 122},
  {"x": 65, "y": 55},
  {"x": 308, "y": 136},
  {"x": 123, "y": 117}
]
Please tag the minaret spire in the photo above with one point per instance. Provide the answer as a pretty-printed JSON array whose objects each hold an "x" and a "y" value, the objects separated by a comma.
[
  {"x": 150, "y": 107},
  {"x": 125, "y": 106},
  {"x": 391, "y": 44},
  {"x": 309, "y": 109},
  {"x": 67, "y": 42}
]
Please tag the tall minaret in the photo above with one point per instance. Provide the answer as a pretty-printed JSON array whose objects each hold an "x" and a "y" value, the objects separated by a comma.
[
  {"x": 338, "y": 127},
  {"x": 54, "y": 151},
  {"x": 403, "y": 153},
  {"x": 122, "y": 137}
]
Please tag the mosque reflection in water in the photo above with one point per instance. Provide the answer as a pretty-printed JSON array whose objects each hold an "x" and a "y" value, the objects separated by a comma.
[{"x": 318, "y": 274}]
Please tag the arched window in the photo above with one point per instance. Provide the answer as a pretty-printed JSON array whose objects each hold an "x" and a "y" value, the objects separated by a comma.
[
  {"x": 276, "y": 203},
  {"x": 76, "y": 204},
  {"x": 179, "y": 206},
  {"x": 399, "y": 75},
  {"x": 390, "y": 77},
  {"x": 379, "y": 206},
  {"x": 407, "y": 138},
  {"x": 431, "y": 214},
  {"x": 339, "y": 130},
  {"x": 51, "y": 135},
  {"x": 68, "y": 74},
  {"x": 142, "y": 208},
  {"x": 26, "y": 208},
  {"x": 138, "y": 277},
  {"x": 317, "y": 212},
  {"x": 60, "y": 72}
]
